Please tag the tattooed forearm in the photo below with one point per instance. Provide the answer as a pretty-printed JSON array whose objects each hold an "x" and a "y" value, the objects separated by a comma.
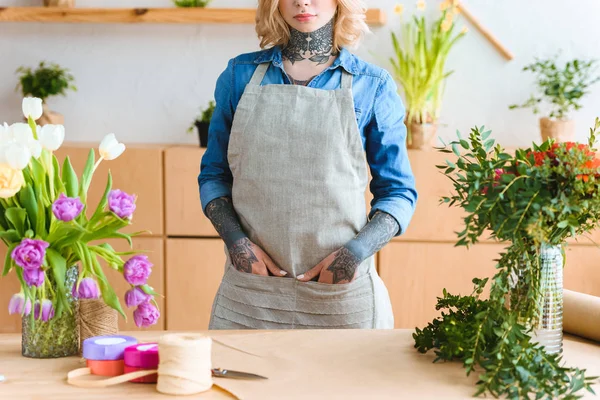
[
  {"x": 242, "y": 255},
  {"x": 315, "y": 46},
  {"x": 343, "y": 266},
  {"x": 376, "y": 234},
  {"x": 223, "y": 217}
]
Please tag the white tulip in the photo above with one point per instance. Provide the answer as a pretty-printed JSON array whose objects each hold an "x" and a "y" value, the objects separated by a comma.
[
  {"x": 110, "y": 148},
  {"x": 17, "y": 155},
  {"x": 52, "y": 136},
  {"x": 35, "y": 148},
  {"x": 32, "y": 107},
  {"x": 5, "y": 133},
  {"x": 21, "y": 132}
]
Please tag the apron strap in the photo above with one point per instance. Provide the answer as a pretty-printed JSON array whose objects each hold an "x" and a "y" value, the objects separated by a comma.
[
  {"x": 346, "y": 80},
  {"x": 259, "y": 74}
]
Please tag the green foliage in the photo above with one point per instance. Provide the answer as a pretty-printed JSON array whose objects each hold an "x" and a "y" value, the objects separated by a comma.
[
  {"x": 45, "y": 81},
  {"x": 419, "y": 62},
  {"x": 191, "y": 3},
  {"x": 205, "y": 115},
  {"x": 540, "y": 195},
  {"x": 562, "y": 88}
]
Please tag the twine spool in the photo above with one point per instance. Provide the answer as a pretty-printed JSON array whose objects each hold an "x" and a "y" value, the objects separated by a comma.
[
  {"x": 185, "y": 364},
  {"x": 96, "y": 319}
]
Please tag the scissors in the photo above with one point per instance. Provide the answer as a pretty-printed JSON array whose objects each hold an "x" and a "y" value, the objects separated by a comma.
[{"x": 227, "y": 373}]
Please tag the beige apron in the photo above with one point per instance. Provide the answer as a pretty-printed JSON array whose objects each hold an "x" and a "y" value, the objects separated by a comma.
[{"x": 299, "y": 178}]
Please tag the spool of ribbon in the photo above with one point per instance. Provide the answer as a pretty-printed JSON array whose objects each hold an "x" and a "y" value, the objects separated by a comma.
[
  {"x": 104, "y": 354},
  {"x": 141, "y": 357},
  {"x": 184, "y": 367}
]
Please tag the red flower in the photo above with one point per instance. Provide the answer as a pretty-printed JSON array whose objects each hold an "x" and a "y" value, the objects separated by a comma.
[{"x": 584, "y": 178}]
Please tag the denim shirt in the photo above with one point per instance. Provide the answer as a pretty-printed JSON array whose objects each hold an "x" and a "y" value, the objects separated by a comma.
[{"x": 380, "y": 117}]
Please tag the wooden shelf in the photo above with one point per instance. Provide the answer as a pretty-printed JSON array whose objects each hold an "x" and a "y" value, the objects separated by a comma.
[{"x": 171, "y": 15}]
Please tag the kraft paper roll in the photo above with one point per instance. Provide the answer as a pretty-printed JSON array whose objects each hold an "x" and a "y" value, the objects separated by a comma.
[{"x": 581, "y": 314}]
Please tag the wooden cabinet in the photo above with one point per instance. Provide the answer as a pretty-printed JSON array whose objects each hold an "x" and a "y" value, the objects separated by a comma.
[
  {"x": 184, "y": 216},
  {"x": 139, "y": 171},
  {"x": 416, "y": 273},
  {"x": 196, "y": 267}
]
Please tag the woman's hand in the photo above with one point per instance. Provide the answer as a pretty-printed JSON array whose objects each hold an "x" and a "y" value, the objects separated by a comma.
[
  {"x": 248, "y": 257},
  {"x": 338, "y": 267}
]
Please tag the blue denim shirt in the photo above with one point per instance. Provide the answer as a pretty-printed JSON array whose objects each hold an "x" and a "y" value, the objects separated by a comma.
[{"x": 380, "y": 118}]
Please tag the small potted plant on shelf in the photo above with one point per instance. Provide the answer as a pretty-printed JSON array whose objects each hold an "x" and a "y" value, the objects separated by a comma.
[
  {"x": 418, "y": 65},
  {"x": 202, "y": 122},
  {"x": 563, "y": 90},
  {"x": 59, "y": 3},
  {"x": 46, "y": 81},
  {"x": 191, "y": 3},
  {"x": 55, "y": 237}
]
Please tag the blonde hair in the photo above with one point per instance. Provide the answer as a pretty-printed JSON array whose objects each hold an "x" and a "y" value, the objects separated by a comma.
[{"x": 349, "y": 28}]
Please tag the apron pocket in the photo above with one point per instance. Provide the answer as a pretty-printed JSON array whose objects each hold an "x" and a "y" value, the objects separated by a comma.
[
  {"x": 256, "y": 301},
  {"x": 320, "y": 305}
]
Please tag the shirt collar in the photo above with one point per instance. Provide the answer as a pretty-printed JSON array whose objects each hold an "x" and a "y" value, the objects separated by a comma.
[{"x": 345, "y": 59}]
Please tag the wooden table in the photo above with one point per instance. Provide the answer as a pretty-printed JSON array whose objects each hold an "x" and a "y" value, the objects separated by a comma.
[{"x": 321, "y": 364}]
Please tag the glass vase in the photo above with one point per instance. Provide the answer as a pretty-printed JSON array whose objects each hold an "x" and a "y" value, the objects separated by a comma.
[
  {"x": 58, "y": 337},
  {"x": 545, "y": 327}
]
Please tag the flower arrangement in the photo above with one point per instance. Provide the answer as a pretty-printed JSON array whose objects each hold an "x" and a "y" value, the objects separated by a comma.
[
  {"x": 532, "y": 199},
  {"x": 44, "y": 224},
  {"x": 419, "y": 60}
]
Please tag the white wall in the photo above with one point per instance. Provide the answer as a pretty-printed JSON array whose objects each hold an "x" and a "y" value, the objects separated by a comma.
[{"x": 147, "y": 82}]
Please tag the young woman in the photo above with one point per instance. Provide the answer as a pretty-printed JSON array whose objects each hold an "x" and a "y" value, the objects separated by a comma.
[{"x": 295, "y": 128}]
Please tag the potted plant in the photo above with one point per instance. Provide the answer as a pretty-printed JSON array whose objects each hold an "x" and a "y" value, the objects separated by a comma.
[
  {"x": 418, "y": 66},
  {"x": 532, "y": 200},
  {"x": 44, "y": 82},
  {"x": 202, "y": 122},
  {"x": 562, "y": 89},
  {"x": 55, "y": 237},
  {"x": 191, "y": 3}
]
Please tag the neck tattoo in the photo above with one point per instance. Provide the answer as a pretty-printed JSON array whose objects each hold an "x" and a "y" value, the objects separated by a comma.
[{"x": 315, "y": 46}]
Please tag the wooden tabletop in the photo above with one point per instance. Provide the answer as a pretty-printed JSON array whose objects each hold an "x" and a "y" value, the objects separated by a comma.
[{"x": 300, "y": 364}]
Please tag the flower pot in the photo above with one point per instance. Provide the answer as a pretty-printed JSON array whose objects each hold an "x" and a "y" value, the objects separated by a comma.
[
  {"x": 202, "y": 132},
  {"x": 546, "y": 327},
  {"x": 50, "y": 117},
  {"x": 559, "y": 130},
  {"x": 59, "y": 3},
  {"x": 421, "y": 136},
  {"x": 59, "y": 336}
]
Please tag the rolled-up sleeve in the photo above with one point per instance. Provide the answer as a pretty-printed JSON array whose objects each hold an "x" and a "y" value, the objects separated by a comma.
[
  {"x": 215, "y": 177},
  {"x": 392, "y": 183}
]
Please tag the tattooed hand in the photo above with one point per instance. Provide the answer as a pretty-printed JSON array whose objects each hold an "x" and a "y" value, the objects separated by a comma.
[
  {"x": 248, "y": 257},
  {"x": 340, "y": 266},
  {"x": 245, "y": 255}
]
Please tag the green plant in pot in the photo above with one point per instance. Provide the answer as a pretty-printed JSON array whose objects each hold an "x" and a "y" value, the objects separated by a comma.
[
  {"x": 191, "y": 3},
  {"x": 45, "y": 81},
  {"x": 532, "y": 200},
  {"x": 418, "y": 65},
  {"x": 202, "y": 123},
  {"x": 562, "y": 89}
]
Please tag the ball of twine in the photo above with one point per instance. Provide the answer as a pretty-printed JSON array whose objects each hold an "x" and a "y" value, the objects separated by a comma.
[{"x": 96, "y": 319}]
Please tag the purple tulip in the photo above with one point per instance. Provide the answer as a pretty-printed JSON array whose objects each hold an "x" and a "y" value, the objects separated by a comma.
[
  {"x": 47, "y": 310},
  {"x": 145, "y": 315},
  {"x": 17, "y": 305},
  {"x": 67, "y": 208},
  {"x": 136, "y": 296},
  {"x": 88, "y": 289},
  {"x": 29, "y": 254},
  {"x": 137, "y": 269},
  {"x": 121, "y": 203},
  {"x": 34, "y": 277}
]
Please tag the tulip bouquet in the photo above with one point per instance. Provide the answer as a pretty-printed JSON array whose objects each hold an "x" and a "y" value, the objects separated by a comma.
[{"x": 44, "y": 224}]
